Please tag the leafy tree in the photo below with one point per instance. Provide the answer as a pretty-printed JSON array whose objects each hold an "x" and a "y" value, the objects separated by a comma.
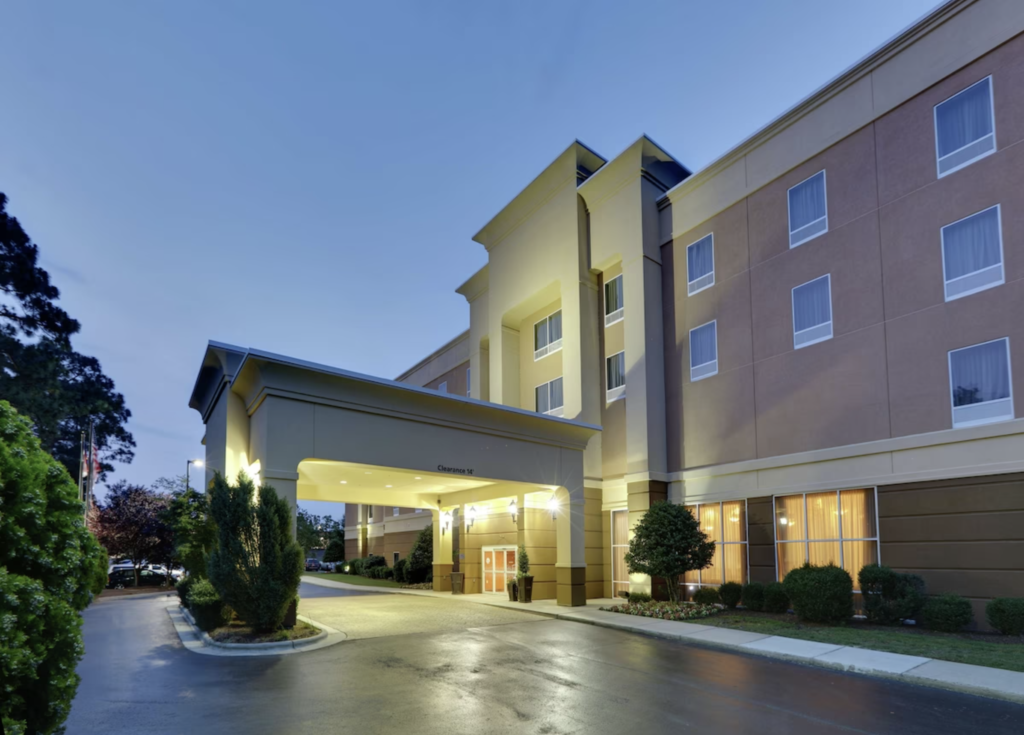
[
  {"x": 50, "y": 569},
  {"x": 316, "y": 532},
  {"x": 421, "y": 558},
  {"x": 668, "y": 543},
  {"x": 133, "y": 524},
  {"x": 335, "y": 550},
  {"x": 60, "y": 390},
  {"x": 256, "y": 566},
  {"x": 192, "y": 527}
]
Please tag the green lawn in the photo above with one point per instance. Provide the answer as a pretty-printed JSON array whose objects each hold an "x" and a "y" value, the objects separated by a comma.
[
  {"x": 998, "y": 652},
  {"x": 354, "y": 579}
]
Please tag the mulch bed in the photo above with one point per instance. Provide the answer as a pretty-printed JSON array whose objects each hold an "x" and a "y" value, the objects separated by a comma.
[{"x": 238, "y": 632}]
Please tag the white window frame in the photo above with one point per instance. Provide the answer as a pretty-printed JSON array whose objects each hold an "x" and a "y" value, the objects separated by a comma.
[
  {"x": 690, "y": 281},
  {"x": 689, "y": 356},
  {"x": 469, "y": 383},
  {"x": 443, "y": 386},
  {"x": 1001, "y": 265},
  {"x": 394, "y": 558},
  {"x": 614, "y": 394},
  {"x": 551, "y": 347},
  {"x": 746, "y": 534},
  {"x": 394, "y": 510},
  {"x": 808, "y": 340},
  {"x": 557, "y": 411},
  {"x": 619, "y": 314},
  {"x": 1006, "y": 416},
  {"x": 789, "y": 212},
  {"x": 612, "y": 545},
  {"x": 935, "y": 128},
  {"x": 839, "y": 527}
]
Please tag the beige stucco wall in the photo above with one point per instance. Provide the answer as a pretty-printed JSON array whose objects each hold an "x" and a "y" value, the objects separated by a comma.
[{"x": 533, "y": 373}]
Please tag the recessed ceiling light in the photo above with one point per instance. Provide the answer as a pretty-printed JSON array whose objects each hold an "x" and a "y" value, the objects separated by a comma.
[
  {"x": 419, "y": 478},
  {"x": 344, "y": 482},
  {"x": 367, "y": 473},
  {"x": 387, "y": 486}
]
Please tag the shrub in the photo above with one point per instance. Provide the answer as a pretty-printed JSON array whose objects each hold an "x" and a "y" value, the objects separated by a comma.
[
  {"x": 370, "y": 563},
  {"x": 948, "y": 613},
  {"x": 731, "y": 593},
  {"x": 707, "y": 596},
  {"x": 355, "y": 567},
  {"x": 401, "y": 566},
  {"x": 207, "y": 608},
  {"x": 50, "y": 568},
  {"x": 182, "y": 588},
  {"x": 668, "y": 543},
  {"x": 820, "y": 594},
  {"x": 637, "y": 597},
  {"x": 256, "y": 566},
  {"x": 335, "y": 551},
  {"x": 775, "y": 598},
  {"x": 889, "y": 596},
  {"x": 421, "y": 558},
  {"x": 753, "y": 596},
  {"x": 380, "y": 572},
  {"x": 1006, "y": 614}
]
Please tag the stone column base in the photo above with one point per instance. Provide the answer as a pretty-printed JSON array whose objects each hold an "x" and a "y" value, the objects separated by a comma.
[
  {"x": 442, "y": 578},
  {"x": 572, "y": 586}
]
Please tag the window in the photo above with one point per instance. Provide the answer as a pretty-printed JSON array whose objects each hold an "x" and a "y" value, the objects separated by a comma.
[
  {"x": 394, "y": 511},
  {"x": 726, "y": 525},
  {"x": 704, "y": 351},
  {"x": 979, "y": 383},
  {"x": 443, "y": 386},
  {"x": 620, "y": 545},
  {"x": 972, "y": 253},
  {"x": 394, "y": 556},
  {"x": 616, "y": 376},
  {"x": 370, "y": 507},
  {"x": 549, "y": 398},
  {"x": 613, "y": 306},
  {"x": 808, "y": 211},
  {"x": 419, "y": 510},
  {"x": 700, "y": 265},
  {"x": 547, "y": 335},
  {"x": 812, "y": 312},
  {"x": 965, "y": 128},
  {"x": 822, "y": 528},
  {"x": 469, "y": 383}
]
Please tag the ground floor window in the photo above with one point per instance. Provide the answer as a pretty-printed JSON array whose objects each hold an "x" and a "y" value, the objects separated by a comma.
[
  {"x": 620, "y": 545},
  {"x": 499, "y": 567},
  {"x": 394, "y": 558},
  {"x": 726, "y": 525},
  {"x": 839, "y": 527}
]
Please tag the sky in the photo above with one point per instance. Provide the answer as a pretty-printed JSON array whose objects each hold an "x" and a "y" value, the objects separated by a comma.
[{"x": 306, "y": 177}]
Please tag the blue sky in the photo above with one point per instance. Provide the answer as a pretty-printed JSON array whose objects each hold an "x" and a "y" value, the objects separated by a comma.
[{"x": 305, "y": 177}]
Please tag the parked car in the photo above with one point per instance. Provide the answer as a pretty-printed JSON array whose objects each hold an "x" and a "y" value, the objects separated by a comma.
[
  {"x": 176, "y": 572},
  {"x": 118, "y": 566},
  {"x": 327, "y": 566},
  {"x": 121, "y": 578},
  {"x": 312, "y": 565}
]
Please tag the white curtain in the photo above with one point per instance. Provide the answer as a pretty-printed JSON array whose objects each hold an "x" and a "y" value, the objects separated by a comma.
[
  {"x": 613, "y": 295},
  {"x": 700, "y": 259},
  {"x": 555, "y": 327},
  {"x": 617, "y": 370},
  {"x": 812, "y": 304},
  {"x": 964, "y": 119},
  {"x": 703, "y": 345},
  {"x": 971, "y": 244},
  {"x": 980, "y": 373},
  {"x": 807, "y": 202},
  {"x": 556, "y": 393},
  {"x": 543, "y": 404}
]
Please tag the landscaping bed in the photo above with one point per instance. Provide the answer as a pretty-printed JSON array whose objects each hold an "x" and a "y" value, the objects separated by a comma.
[
  {"x": 682, "y": 612},
  {"x": 363, "y": 581},
  {"x": 238, "y": 632}
]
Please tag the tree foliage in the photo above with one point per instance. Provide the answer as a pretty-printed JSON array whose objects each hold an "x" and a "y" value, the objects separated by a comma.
[
  {"x": 133, "y": 524},
  {"x": 192, "y": 528},
  {"x": 316, "y": 532},
  {"x": 256, "y": 566},
  {"x": 335, "y": 550},
  {"x": 50, "y": 568},
  {"x": 421, "y": 558},
  {"x": 668, "y": 543},
  {"x": 42, "y": 376}
]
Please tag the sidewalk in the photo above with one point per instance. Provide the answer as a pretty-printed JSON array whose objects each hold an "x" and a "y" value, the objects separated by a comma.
[{"x": 981, "y": 680}]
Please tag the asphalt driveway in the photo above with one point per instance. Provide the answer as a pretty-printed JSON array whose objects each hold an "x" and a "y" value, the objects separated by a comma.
[{"x": 531, "y": 676}]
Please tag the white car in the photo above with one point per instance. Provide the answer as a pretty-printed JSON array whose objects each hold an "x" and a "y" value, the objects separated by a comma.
[{"x": 176, "y": 572}]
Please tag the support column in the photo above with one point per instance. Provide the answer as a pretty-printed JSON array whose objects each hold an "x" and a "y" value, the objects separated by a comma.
[
  {"x": 571, "y": 564},
  {"x": 442, "y": 555}
]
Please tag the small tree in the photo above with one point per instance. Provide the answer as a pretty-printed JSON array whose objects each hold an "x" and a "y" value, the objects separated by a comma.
[
  {"x": 335, "y": 550},
  {"x": 256, "y": 566},
  {"x": 133, "y": 524},
  {"x": 193, "y": 529},
  {"x": 523, "y": 562},
  {"x": 668, "y": 543},
  {"x": 421, "y": 558}
]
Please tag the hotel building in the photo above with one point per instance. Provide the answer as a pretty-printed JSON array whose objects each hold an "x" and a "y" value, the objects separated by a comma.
[{"x": 815, "y": 342}]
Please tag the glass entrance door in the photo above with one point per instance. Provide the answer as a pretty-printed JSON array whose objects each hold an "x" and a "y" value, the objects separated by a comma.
[{"x": 499, "y": 567}]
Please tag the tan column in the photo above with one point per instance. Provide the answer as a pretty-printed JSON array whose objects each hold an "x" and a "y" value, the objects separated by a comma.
[
  {"x": 442, "y": 554},
  {"x": 571, "y": 564}
]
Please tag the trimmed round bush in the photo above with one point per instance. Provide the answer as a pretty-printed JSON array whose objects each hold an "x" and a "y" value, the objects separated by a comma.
[
  {"x": 775, "y": 598},
  {"x": 637, "y": 597},
  {"x": 182, "y": 587},
  {"x": 753, "y": 596},
  {"x": 355, "y": 567},
  {"x": 707, "y": 596},
  {"x": 890, "y": 597},
  {"x": 208, "y": 610},
  {"x": 948, "y": 613},
  {"x": 820, "y": 594},
  {"x": 1006, "y": 614},
  {"x": 731, "y": 593}
]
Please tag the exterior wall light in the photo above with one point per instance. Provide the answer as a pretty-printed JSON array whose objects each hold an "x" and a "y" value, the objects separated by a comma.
[
  {"x": 513, "y": 510},
  {"x": 446, "y": 521},
  {"x": 553, "y": 506},
  {"x": 470, "y": 517}
]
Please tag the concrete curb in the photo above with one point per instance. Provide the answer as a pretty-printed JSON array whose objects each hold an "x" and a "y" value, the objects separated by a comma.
[
  {"x": 199, "y": 642},
  {"x": 967, "y": 678}
]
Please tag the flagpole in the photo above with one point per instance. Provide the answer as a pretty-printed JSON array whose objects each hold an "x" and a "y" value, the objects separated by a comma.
[
  {"x": 92, "y": 466},
  {"x": 81, "y": 473}
]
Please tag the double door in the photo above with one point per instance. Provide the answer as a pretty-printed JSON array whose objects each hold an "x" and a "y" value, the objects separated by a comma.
[{"x": 499, "y": 567}]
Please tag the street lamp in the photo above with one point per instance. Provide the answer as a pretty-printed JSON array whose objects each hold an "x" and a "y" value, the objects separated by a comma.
[
  {"x": 553, "y": 506},
  {"x": 513, "y": 509},
  {"x": 188, "y": 466},
  {"x": 470, "y": 517}
]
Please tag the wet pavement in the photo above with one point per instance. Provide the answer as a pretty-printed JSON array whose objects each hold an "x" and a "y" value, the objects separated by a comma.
[{"x": 535, "y": 676}]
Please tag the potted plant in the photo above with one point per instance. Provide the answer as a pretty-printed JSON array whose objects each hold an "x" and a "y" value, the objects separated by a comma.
[
  {"x": 524, "y": 577},
  {"x": 513, "y": 589}
]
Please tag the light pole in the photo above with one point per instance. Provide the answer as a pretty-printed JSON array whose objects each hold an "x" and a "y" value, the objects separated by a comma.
[{"x": 188, "y": 466}]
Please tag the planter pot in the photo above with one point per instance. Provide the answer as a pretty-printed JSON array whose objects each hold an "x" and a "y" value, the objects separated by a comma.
[
  {"x": 526, "y": 589},
  {"x": 513, "y": 590},
  {"x": 458, "y": 579}
]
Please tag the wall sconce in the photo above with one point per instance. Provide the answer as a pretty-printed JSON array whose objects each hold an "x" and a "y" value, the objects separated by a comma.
[
  {"x": 446, "y": 521},
  {"x": 513, "y": 509},
  {"x": 553, "y": 506},
  {"x": 470, "y": 517}
]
